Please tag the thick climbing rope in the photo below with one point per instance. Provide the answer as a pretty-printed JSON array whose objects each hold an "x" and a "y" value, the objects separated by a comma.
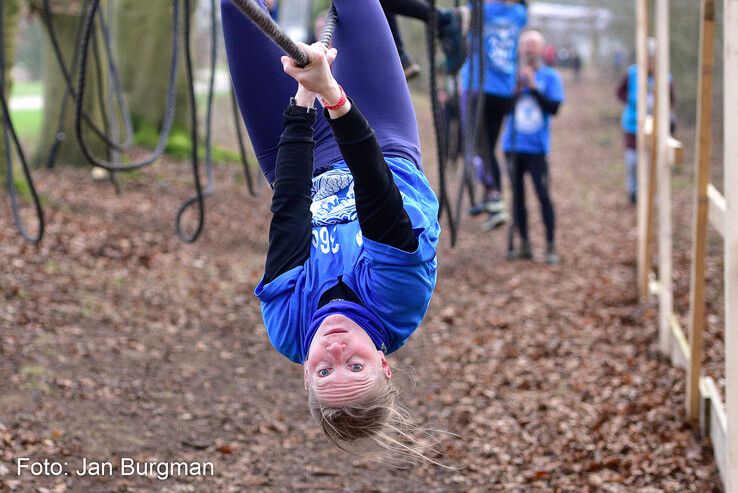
[
  {"x": 210, "y": 186},
  {"x": 59, "y": 136},
  {"x": 261, "y": 19},
  {"x": 443, "y": 199},
  {"x": 474, "y": 112},
  {"x": 199, "y": 198},
  {"x": 329, "y": 25},
  {"x": 68, "y": 76},
  {"x": 169, "y": 103},
  {"x": 9, "y": 135},
  {"x": 267, "y": 25},
  {"x": 241, "y": 146}
]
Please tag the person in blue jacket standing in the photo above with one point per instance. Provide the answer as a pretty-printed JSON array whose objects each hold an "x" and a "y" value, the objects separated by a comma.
[
  {"x": 527, "y": 140},
  {"x": 351, "y": 264},
  {"x": 503, "y": 22},
  {"x": 627, "y": 93}
]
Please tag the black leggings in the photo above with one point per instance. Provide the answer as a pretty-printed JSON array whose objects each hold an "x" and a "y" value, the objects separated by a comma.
[
  {"x": 537, "y": 166},
  {"x": 396, "y": 34},
  {"x": 417, "y": 9},
  {"x": 495, "y": 109}
]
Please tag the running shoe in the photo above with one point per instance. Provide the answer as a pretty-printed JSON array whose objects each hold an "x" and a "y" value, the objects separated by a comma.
[
  {"x": 522, "y": 253},
  {"x": 552, "y": 258},
  {"x": 409, "y": 66},
  {"x": 496, "y": 220},
  {"x": 491, "y": 206},
  {"x": 453, "y": 38}
]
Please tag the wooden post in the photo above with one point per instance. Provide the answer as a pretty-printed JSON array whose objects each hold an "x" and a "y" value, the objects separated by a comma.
[
  {"x": 662, "y": 122},
  {"x": 730, "y": 30},
  {"x": 699, "y": 232},
  {"x": 644, "y": 261}
]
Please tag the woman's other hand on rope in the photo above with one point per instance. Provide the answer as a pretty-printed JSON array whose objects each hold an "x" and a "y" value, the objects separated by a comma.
[{"x": 316, "y": 78}]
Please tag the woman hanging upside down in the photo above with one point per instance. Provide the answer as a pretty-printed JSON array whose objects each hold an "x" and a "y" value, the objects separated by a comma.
[{"x": 351, "y": 263}]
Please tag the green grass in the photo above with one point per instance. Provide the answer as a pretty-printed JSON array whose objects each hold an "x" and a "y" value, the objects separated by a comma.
[
  {"x": 180, "y": 146},
  {"x": 34, "y": 88},
  {"x": 27, "y": 123}
]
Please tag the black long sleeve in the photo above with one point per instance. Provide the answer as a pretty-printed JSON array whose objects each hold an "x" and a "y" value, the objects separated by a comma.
[
  {"x": 382, "y": 216},
  {"x": 290, "y": 232},
  {"x": 547, "y": 105}
]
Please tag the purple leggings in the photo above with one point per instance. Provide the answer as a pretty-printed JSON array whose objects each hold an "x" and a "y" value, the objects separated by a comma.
[{"x": 367, "y": 67}]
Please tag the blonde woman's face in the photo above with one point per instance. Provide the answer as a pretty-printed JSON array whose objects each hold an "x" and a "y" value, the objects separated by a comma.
[{"x": 343, "y": 365}]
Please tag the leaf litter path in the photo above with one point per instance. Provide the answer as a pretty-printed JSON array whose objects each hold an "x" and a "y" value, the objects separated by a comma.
[{"x": 119, "y": 341}]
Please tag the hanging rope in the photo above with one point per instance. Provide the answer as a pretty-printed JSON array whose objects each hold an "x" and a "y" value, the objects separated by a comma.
[
  {"x": 9, "y": 135},
  {"x": 241, "y": 146},
  {"x": 263, "y": 21},
  {"x": 59, "y": 136},
  {"x": 100, "y": 133},
  {"x": 169, "y": 103},
  {"x": 329, "y": 25},
  {"x": 210, "y": 187},
  {"x": 443, "y": 199},
  {"x": 199, "y": 198},
  {"x": 258, "y": 16},
  {"x": 474, "y": 112}
]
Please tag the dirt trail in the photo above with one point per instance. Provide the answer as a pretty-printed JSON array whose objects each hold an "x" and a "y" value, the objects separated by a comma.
[{"x": 119, "y": 341}]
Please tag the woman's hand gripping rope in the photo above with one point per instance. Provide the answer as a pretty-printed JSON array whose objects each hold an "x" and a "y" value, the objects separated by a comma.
[{"x": 316, "y": 77}]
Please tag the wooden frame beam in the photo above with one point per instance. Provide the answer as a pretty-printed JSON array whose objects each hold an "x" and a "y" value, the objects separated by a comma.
[
  {"x": 730, "y": 73},
  {"x": 643, "y": 171},
  {"x": 699, "y": 225},
  {"x": 662, "y": 121}
]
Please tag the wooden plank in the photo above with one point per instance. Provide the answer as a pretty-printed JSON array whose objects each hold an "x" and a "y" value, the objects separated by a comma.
[
  {"x": 643, "y": 171},
  {"x": 680, "y": 351},
  {"x": 699, "y": 225},
  {"x": 676, "y": 151},
  {"x": 662, "y": 121},
  {"x": 714, "y": 422},
  {"x": 717, "y": 209},
  {"x": 730, "y": 175}
]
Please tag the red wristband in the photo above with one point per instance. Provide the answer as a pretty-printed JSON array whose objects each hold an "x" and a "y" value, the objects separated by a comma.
[{"x": 342, "y": 100}]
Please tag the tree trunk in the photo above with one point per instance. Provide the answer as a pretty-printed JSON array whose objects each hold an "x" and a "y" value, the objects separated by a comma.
[
  {"x": 11, "y": 13},
  {"x": 66, "y": 22},
  {"x": 143, "y": 33}
]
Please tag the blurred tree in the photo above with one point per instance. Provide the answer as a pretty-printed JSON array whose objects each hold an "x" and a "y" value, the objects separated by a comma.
[
  {"x": 143, "y": 32},
  {"x": 11, "y": 13},
  {"x": 66, "y": 18}
]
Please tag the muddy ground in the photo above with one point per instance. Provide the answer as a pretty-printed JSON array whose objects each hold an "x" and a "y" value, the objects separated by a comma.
[{"x": 118, "y": 340}]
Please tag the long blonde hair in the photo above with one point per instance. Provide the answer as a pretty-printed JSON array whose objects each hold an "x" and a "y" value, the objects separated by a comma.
[{"x": 378, "y": 417}]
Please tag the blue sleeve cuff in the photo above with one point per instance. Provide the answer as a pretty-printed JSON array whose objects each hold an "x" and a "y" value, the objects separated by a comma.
[
  {"x": 394, "y": 256},
  {"x": 279, "y": 285}
]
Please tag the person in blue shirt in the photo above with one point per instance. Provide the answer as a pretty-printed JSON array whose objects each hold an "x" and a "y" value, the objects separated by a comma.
[
  {"x": 351, "y": 264},
  {"x": 503, "y": 22},
  {"x": 627, "y": 93},
  {"x": 540, "y": 92}
]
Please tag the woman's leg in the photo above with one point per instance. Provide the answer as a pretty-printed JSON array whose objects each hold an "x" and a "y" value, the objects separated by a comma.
[
  {"x": 396, "y": 34},
  {"x": 495, "y": 109},
  {"x": 538, "y": 167},
  {"x": 417, "y": 9},
  {"x": 631, "y": 169},
  {"x": 369, "y": 70},
  {"x": 262, "y": 88},
  {"x": 517, "y": 164}
]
